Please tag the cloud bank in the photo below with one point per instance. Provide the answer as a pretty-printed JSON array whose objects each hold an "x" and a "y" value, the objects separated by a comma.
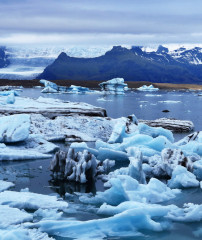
[{"x": 91, "y": 22}]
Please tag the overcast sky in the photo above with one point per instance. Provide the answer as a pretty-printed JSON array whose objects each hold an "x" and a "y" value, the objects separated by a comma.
[{"x": 100, "y": 22}]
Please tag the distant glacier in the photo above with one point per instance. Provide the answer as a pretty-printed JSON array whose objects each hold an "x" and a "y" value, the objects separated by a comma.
[{"x": 27, "y": 63}]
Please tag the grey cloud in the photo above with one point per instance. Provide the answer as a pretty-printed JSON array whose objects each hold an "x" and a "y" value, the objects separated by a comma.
[{"x": 157, "y": 19}]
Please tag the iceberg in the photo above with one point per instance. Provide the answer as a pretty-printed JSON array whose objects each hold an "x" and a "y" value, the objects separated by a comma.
[
  {"x": 10, "y": 216},
  {"x": 11, "y": 154},
  {"x": 14, "y": 128},
  {"x": 114, "y": 86},
  {"x": 181, "y": 178},
  {"x": 130, "y": 223},
  {"x": 5, "y": 185},
  {"x": 79, "y": 167},
  {"x": 197, "y": 169},
  {"x": 51, "y": 87},
  {"x": 149, "y": 88},
  {"x": 7, "y": 93},
  {"x": 31, "y": 201},
  {"x": 125, "y": 188},
  {"x": 10, "y": 99}
]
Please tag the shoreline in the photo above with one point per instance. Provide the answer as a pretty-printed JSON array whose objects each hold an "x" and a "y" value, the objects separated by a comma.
[{"x": 95, "y": 84}]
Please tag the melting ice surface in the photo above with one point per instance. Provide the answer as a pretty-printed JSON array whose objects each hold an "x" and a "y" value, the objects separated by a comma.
[{"x": 36, "y": 176}]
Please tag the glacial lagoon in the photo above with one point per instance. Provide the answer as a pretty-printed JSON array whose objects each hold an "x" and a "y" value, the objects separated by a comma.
[{"x": 35, "y": 175}]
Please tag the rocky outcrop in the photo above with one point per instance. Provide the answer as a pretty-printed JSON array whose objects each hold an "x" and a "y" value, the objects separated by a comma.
[{"x": 171, "y": 124}]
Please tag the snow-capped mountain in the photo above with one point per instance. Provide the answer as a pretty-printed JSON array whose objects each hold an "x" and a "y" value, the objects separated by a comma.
[{"x": 27, "y": 63}]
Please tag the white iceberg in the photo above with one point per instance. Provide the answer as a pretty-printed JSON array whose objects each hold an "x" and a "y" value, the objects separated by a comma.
[
  {"x": 11, "y": 154},
  {"x": 14, "y": 128},
  {"x": 51, "y": 87},
  {"x": 5, "y": 185},
  {"x": 115, "y": 85},
  {"x": 31, "y": 201},
  {"x": 149, "y": 88},
  {"x": 125, "y": 188},
  {"x": 197, "y": 169},
  {"x": 181, "y": 178},
  {"x": 10, "y": 216},
  {"x": 10, "y": 99}
]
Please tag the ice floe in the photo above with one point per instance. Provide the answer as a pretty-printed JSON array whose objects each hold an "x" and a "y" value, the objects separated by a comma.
[
  {"x": 181, "y": 178},
  {"x": 114, "y": 86},
  {"x": 31, "y": 201},
  {"x": 5, "y": 185},
  {"x": 10, "y": 216},
  {"x": 14, "y": 128},
  {"x": 149, "y": 88}
]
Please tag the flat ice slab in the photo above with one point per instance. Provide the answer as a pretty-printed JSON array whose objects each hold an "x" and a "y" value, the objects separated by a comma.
[
  {"x": 9, "y": 215},
  {"x": 29, "y": 200},
  {"x": 5, "y": 185},
  {"x": 51, "y": 108},
  {"x": 8, "y": 154}
]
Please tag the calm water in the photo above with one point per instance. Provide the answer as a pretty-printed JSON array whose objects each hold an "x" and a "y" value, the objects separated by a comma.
[{"x": 145, "y": 105}]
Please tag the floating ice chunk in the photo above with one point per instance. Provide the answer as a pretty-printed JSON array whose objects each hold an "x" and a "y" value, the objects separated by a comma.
[
  {"x": 119, "y": 131},
  {"x": 29, "y": 200},
  {"x": 181, "y": 178},
  {"x": 124, "y": 188},
  {"x": 7, "y": 93},
  {"x": 14, "y": 234},
  {"x": 132, "y": 222},
  {"x": 104, "y": 100},
  {"x": 115, "y": 85},
  {"x": 192, "y": 147},
  {"x": 79, "y": 167},
  {"x": 10, "y": 99},
  {"x": 19, "y": 233},
  {"x": 5, "y": 185},
  {"x": 14, "y": 128},
  {"x": 197, "y": 169},
  {"x": 51, "y": 214},
  {"x": 135, "y": 166},
  {"x": 142, "y": 140},
  {"x": 155, "y": 131},
  {"x": 170, "y": 101},
  {"x": 80, "y": 147},
  {"x": 106, "y": 153},
  {"x": 193, "y": 137},
  {"x": 189, "y": 213},
  {"x": 149, "y": 88},
  {"x": 49, "y": 84},
  {"x": 113, "y": 196},
  {"x": 49, "y": 89},
  {"x": 162, "y": 166},
  {"x": 37, "y": 143},
  {"x": 150, "y": 209},
  {"x": 12, "y": 216},
  {"x": 11, "y": 154},
  {"x": 77, "y": 89}
]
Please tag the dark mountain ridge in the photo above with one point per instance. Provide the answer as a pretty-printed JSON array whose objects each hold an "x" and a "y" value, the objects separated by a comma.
[
  {"x": 131, "y": 64},
  {"x": 4, "y": 62}
]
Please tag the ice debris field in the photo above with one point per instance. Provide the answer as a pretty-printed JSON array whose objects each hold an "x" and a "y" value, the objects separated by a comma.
[{"x": 135, "y": 201}]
